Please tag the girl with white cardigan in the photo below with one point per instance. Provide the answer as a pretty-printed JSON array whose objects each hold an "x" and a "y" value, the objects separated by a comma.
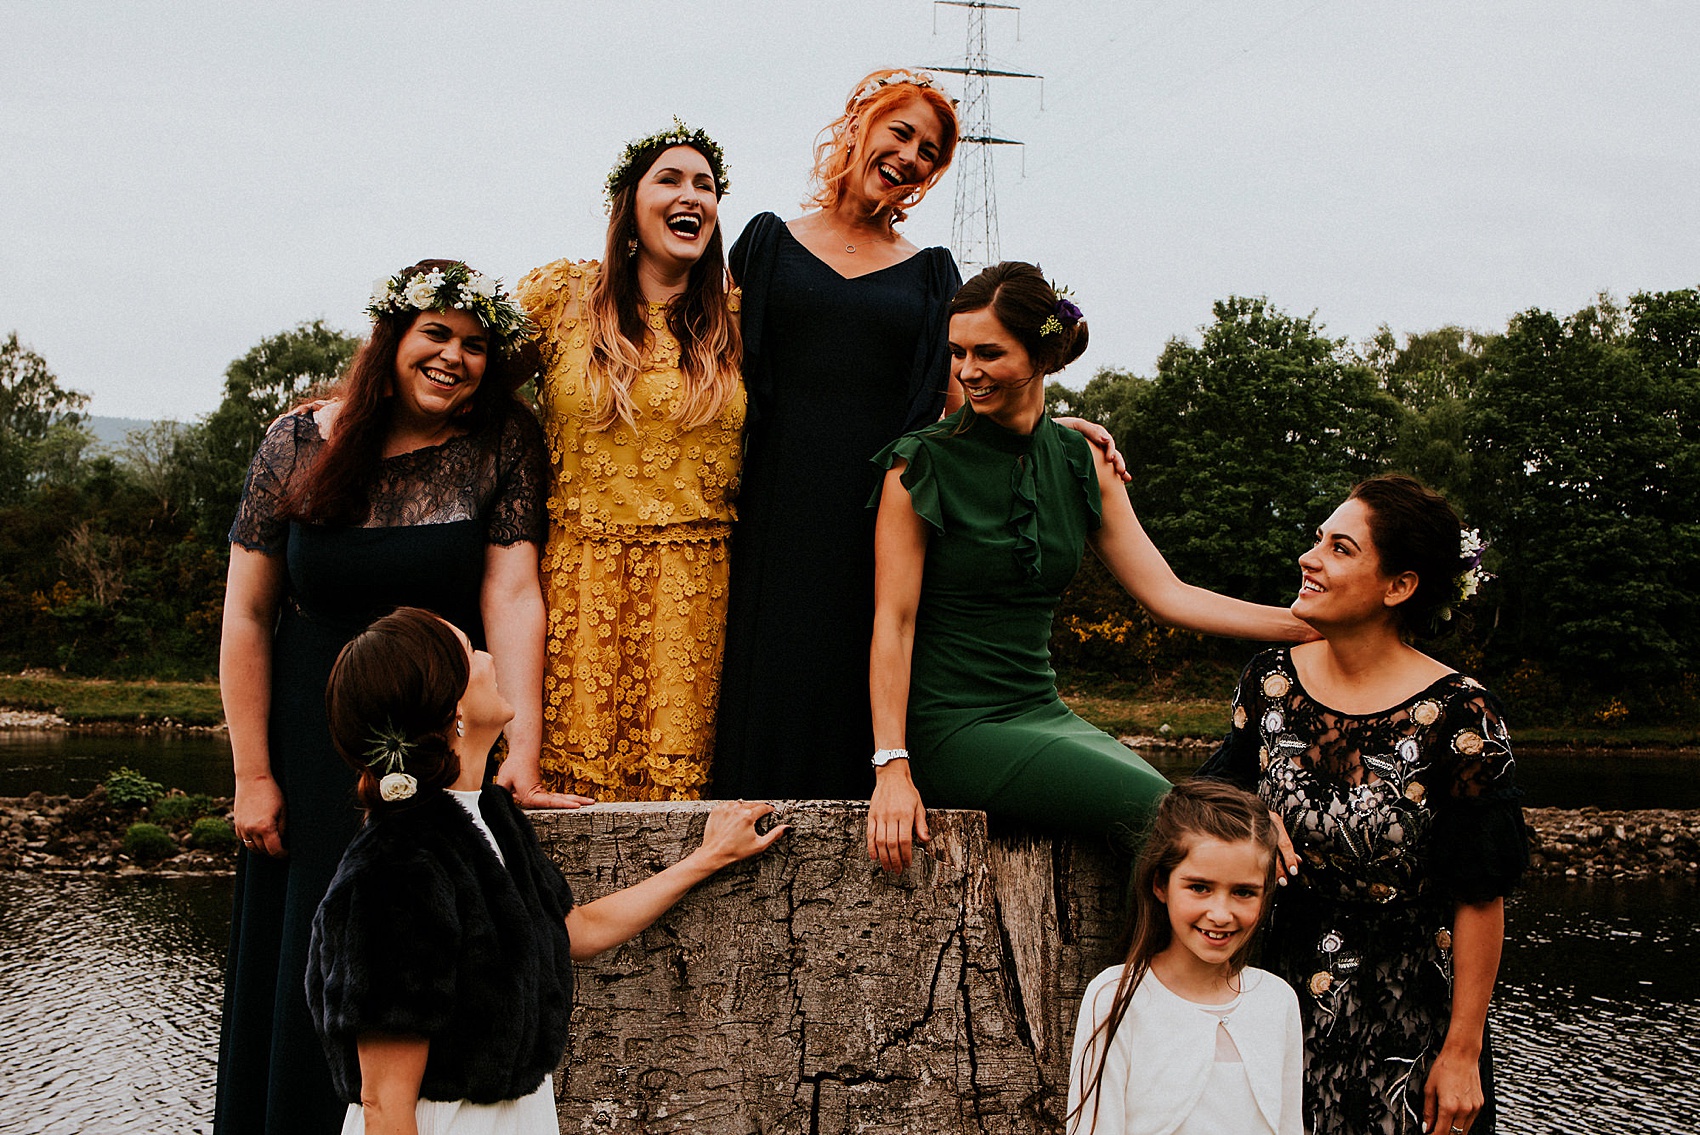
[{"x": 1185, "y": 1038}]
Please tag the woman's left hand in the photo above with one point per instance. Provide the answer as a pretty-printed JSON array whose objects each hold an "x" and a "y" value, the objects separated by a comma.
[
  {"x": 528, "y": 790},
  {"x": 1100, "y": 437},
  {"x": 1452, "y": 1097}
]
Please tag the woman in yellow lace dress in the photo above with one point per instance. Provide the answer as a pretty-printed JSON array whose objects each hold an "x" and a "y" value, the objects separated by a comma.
[{"x": 643, "y": 409}]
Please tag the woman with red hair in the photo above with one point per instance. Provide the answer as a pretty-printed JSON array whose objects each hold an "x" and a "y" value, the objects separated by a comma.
[{"x": 844, "y": 350}]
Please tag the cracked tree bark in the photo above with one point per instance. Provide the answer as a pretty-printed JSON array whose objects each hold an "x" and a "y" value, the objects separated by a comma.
[{"x": 807, "y": 992}]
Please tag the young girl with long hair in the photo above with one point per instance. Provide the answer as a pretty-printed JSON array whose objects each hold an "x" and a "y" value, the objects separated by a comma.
[
  {"x": 643, "y": 408},
  {"x": 1184, "y": 1038}
]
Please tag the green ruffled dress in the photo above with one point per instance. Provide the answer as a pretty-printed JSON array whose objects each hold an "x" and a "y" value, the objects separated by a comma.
[{"x": 1009, "y": 516}]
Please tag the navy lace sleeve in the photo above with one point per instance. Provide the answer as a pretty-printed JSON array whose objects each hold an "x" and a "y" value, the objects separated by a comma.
[
  {"x": 1480, "y": 844},
  {"x": 517, "y": 513},
  {"x": 260, "y": 525},
  {"x": 1237, "y": 759}
]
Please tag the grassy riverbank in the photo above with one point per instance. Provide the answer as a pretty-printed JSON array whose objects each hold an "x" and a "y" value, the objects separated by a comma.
[
  {"x": 1119, "y": 708},
  {"x": 1122, "y": 709},
  {"x": 85, "y": 701}
]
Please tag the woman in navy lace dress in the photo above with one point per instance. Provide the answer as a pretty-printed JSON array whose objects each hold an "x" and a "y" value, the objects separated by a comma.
[{"x": 420, "y": 484}]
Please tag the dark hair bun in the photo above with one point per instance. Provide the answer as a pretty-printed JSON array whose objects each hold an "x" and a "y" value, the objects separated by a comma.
[
  {"x": 1049, "y": 327},
  {"x": 1415, "y": 530},
  {"x": 397, "y": 684}
]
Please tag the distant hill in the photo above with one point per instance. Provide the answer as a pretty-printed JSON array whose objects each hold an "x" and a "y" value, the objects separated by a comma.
[{"x": 109, "y": 432}]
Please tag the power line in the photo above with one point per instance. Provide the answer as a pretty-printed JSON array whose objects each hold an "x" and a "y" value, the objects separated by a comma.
[{"x": 974, "y": 226}]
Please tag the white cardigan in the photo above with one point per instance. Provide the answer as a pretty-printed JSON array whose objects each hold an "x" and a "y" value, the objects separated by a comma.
[{"x": 1160, "y": 1058}]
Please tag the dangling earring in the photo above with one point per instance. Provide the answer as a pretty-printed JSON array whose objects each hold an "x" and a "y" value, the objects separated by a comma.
[
  {"x": 460, "y": 726},
  {"x": 631, "y": 244}
]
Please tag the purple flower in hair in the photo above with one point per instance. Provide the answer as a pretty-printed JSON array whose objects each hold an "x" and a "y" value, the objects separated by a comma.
[{"x": 1067, "y": 311}]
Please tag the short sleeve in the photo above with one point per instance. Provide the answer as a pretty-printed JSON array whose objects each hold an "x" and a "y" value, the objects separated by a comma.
[
  {"x": 260, "y": 525},
  {"x": 1236, "y": 759},
  {"x": 919, "y": 476},
  {"x": 1084, "y": 468},
  {"x": 383, "y": 952},
  {"x": 1480, "y": 842},
  {"x": 543, "y": 293},
  {"x": 517, "y": 513}
]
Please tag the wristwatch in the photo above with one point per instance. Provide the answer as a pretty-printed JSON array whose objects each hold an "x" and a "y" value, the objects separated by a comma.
[{"x": 884, "y": 757}]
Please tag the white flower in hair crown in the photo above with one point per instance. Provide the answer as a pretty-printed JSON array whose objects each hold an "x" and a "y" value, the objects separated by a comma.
[
  {"x": 913, "y": 78},
  {"x": 677, "y": 134},
  {"x": 456, "y": 288}
]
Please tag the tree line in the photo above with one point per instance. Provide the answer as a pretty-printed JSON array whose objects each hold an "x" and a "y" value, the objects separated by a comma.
[{"x": 1571, "y": 442}]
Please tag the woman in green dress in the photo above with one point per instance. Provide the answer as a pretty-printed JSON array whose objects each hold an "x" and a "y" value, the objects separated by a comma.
[{"x": 982, "y": 521}]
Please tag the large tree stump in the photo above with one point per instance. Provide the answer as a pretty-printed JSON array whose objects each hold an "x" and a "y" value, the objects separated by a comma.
[{"x": 808, "y": 992}]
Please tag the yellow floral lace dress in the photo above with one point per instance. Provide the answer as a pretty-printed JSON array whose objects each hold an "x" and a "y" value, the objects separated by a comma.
[{"x": 635, "y": 568}]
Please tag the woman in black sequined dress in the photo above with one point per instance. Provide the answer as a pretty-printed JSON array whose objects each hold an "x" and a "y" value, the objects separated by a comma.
[{"x": 1393, "y": 776}]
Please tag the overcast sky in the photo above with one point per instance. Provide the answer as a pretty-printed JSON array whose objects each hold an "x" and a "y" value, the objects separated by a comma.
[{"x": 180, "y": 180}]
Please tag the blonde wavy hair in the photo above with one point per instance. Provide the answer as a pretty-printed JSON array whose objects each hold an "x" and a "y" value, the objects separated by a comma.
[
  {"x": 710, "y": 345},
  {"x": 878, "y": 93}
]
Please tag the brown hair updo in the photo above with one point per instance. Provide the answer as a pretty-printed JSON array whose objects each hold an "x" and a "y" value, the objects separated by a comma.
[
  {"x": 1414, "y": 529},
  {"x": 403, "y": 675},
  {"x": 1023, "y": 300}
]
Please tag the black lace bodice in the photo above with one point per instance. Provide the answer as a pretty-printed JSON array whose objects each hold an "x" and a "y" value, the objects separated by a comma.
[{"x": 497, "y": 476}]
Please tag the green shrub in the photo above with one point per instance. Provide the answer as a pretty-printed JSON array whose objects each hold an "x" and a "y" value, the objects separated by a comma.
[
  {"x": 148, "y": 843},
  {"x": 128, "y": 788},
  {"x": 213, "y": 833},
  {"x": 178, "y": 808}
]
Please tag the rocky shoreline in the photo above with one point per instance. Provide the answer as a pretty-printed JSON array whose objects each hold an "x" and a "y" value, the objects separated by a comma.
[
  {"x": 29, "y": 719},
  {"x": 60, "y": 834},
  {"x": 70, "y": 834}
]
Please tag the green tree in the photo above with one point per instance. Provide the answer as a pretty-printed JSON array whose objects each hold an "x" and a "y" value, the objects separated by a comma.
[
  {"x": 212, "y": 457},
  {"x": 1244, "y": 443},
  {"x": 150, "y": 454},
  {"x": 42, "y": 436},
  {"x": 1433, "y": 376},
  {"x": 1584, "y": 432}
]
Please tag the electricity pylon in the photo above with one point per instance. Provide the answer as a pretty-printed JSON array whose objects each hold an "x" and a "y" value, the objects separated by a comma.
[{"x": 974, "y": 228}]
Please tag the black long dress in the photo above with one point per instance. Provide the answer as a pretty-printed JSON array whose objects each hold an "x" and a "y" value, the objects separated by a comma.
[
  {"x": 836, "y": 369},
  {"x": 435, "y": 511},
  {"x": 1397, "y": 817}
]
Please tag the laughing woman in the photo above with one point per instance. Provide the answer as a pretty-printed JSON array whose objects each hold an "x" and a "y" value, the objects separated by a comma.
[
  {"x": 643, "y": 409},
  {"x": 844, "y": 343},
  {"x": 420, "y": 482},
  {"x": 983, "y": 519}
]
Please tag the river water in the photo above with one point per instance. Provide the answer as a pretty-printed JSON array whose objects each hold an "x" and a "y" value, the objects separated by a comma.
[{"x": 109, "y": 987}]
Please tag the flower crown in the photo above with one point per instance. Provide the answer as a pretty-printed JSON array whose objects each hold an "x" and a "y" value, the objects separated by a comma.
[
  {"x": 676, "y": 135},
  {"x": 1065, "y": 316},
  {"x": 390, "y": 747},
  {"x": 455, "y": 287},
  {"x": 875, "y": 84}
]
